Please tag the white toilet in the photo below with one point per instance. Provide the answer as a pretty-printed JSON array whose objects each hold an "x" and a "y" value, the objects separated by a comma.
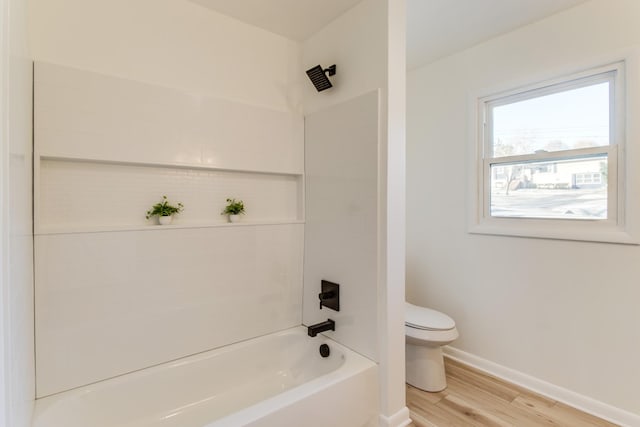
[{"x": 426, "y": 332}]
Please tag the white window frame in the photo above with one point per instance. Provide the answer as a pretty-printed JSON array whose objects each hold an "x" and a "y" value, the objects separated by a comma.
[{"x": 613, "y": 229}]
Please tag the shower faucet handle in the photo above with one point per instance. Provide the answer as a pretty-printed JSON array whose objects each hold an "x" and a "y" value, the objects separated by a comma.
[
  {"x": 324, "y": 296},
  {"x": 330, "y": 295}
]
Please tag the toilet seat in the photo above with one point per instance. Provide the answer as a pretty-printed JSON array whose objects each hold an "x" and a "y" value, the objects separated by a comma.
[{"x": 427, "y": 319}]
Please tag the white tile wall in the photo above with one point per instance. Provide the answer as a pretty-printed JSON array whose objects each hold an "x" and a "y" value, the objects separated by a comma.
[
  {"x": 81, "y": 114},
  {"x": 111, "y": 303},
  {"x": 341, "y": 237},
  {"x": 114, "y": 301}
]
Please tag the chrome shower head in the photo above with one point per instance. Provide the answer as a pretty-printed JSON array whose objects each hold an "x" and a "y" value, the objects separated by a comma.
[{"x": 319, "y": 78}]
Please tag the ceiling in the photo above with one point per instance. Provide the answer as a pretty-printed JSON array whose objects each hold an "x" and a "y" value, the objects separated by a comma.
[
  {"x": 435, "y": 28},
  {"x": 294, "y": 19},
  {"x": 438, "y": 28}
]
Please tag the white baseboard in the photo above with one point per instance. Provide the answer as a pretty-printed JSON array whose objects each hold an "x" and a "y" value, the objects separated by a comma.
[
  {"x": 399, "y": 419},
  {"x": 552, "y": 391}
]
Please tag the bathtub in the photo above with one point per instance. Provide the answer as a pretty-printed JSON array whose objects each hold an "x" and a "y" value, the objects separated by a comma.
[{"x": 277, "y": 380}]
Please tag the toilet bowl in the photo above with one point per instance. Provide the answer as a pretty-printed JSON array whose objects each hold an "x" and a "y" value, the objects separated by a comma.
[{"x": 426, "y": 331}]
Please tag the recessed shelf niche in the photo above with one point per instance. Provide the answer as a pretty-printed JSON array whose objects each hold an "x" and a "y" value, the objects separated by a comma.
[{"x": 88, "y": 195}]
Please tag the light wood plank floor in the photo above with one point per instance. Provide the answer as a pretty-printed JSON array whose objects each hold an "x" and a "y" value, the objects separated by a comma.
[{"x": 473, "y": 398}]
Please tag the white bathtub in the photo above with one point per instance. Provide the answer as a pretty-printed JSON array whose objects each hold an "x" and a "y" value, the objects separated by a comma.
[{"x": 278, "y": 380}]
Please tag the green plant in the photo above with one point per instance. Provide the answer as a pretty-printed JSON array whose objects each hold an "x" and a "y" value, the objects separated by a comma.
[
  {"x": 164, "y": 208},
  {"x": 234, "y": 207}
]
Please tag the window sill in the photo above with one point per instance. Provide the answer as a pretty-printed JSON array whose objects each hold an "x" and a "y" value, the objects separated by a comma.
[{"x": 554, "y": 230}]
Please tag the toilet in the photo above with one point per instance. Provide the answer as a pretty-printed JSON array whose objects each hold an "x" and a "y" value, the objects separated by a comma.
[{"x": 426, "y": 332}]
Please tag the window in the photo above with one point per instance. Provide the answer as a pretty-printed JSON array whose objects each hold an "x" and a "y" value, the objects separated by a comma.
[{"x": 550, "y": 158}]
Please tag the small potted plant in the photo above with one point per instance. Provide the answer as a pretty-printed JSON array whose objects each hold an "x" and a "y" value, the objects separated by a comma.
[
  {"x": 164, "y": 211},
  {"x": 234, "y": 209}
]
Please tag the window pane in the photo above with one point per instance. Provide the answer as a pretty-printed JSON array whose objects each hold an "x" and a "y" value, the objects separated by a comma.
[
  {"x": 567, "y": 189},
  {"x": 577, "y": 118}
]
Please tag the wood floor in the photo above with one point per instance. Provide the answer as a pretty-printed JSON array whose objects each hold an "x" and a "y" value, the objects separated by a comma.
[{"x": 473, "y": 398}]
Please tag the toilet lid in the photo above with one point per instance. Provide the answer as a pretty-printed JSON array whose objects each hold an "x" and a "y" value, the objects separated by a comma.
[{"x": 425, "y": 318}]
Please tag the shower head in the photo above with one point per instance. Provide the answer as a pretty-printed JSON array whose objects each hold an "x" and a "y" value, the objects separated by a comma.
[{"x": 319, "y": 78}]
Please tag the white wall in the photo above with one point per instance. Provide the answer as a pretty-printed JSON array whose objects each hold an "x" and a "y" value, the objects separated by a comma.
[
  {"x": 16, "y": 280},
  {"x": 176, "y": 44},
  {"x": 392, "y": 301},
  {"x": 363, "y": 42},
  {"x": 563, "y": 312},
  {"x": 356, "y": 42}
]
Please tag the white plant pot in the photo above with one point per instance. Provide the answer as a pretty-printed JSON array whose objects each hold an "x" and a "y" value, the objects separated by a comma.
[
  {"x": 165, "y": 220},
  {"x": 234, "y": 218}
]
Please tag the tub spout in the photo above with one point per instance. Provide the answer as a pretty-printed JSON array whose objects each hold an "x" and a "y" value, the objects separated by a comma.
[{"x": 314, "y": 330}]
